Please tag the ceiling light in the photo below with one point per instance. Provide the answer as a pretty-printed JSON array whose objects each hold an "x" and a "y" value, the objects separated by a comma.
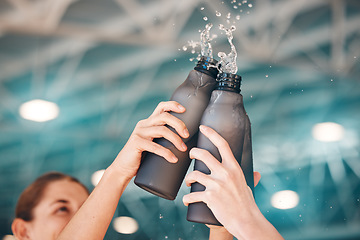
[
  {"x": 96, "y": 177},
  {"x": 328, "y": 132},
  {"x": 285, "y": 199},
  {"x": 39, "y": 110},
  {"x": 125, "y": 225}
]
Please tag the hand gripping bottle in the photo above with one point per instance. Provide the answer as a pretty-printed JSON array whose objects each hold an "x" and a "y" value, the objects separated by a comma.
[
  {"x": 226, "y": 115},
  {"x": 157, "y": 175}
]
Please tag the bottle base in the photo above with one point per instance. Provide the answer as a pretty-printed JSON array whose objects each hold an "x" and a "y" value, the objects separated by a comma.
[
  {"x": 200, "y": 213},
  {"x": 152, "y": 189}
]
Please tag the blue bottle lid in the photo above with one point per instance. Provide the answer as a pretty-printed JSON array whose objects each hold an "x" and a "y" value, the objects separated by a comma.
[
  {"x": 228, "y": 82},
  {"x": 207, "y": 65}
]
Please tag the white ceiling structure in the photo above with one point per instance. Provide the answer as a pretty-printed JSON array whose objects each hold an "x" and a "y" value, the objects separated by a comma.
[{"x": 108, "y": 63}]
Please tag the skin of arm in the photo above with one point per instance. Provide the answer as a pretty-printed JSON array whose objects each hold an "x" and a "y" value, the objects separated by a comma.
[
  {"x": 227, "y": 194},
  {"x": 93, "y": 218}
]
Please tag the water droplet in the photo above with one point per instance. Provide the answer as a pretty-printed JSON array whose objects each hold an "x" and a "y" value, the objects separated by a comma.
[
  {"x": 245, "y": 1},
  {"x": 354, "y": 56},
  {"x": 300, "y": 215},
  {"x": 166, "y": 237},
  {"x": 238, "y": 17},
  {"x": 184, "y": 48},
  {"x": 330, "y": 206},
  {"x": 235, "y": 7},
  {"x": 228, "y": 15},
  {"x": 251, "y": 96},
  {"x": 233, "y": 1},
  {"x": 161, "y": 216},
  {"x": 250, "y": 5},
  {"x": 331, "y": 80},
  {"x": 266, "y": 75},
  {"x": 191, "y": 59},
  {"x": 174, "y": 60},
  {"x": 193, "y": 51},
  {"x": 228, "y": 21},
  {"x": 205, "y": 18},
  {"x": 202, "y": 8},
  {"x": 218, "y": 14}
]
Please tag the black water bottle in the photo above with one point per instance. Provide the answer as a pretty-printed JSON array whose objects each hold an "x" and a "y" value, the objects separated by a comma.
[
  {"x": 226, "y": 115},
  {"x": 158, "y": 176}
]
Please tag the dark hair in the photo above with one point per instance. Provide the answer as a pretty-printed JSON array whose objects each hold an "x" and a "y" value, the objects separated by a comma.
[{"x": 32, "y": 195}]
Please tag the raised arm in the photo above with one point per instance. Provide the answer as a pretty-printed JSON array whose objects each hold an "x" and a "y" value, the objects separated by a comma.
[
  {"x": 93, "y": 218},
  {"x": 227, "y": 193}
]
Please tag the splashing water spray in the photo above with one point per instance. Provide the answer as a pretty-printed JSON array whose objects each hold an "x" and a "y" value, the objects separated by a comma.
[
  {"x": 205, "y": 41},
  {"x": 227, "y": 63}
]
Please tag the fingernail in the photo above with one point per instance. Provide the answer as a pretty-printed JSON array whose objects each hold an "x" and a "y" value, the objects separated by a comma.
[
  {"x": 175, "y": 159},
  {"x": 183, "y": 145},
  {"x": 181, "y": 107},
  {"x": 186, "y": 133},
  {"x": 203, "y": 128}
]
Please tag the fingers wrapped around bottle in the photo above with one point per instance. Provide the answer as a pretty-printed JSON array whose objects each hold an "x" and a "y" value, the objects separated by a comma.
[
  {"x": 157, "y": 126},
  {"x": 222, "y": 173}
]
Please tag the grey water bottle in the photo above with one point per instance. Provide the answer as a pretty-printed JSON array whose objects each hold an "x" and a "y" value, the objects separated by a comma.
[
  {"x": 226, "y": 115},
  {"x": 158, "y": 176}
]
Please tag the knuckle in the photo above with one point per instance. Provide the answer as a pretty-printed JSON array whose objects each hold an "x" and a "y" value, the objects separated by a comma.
[
  {"x": 227, "y": 176},
  {"x": 223, "y": 143},
  {"x": 140, "y": 123},
  {"x": 161, "y": 104},
  {"x": 209, "y": 195}
]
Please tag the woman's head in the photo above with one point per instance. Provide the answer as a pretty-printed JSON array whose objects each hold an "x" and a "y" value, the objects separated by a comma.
[{"x": 47, "y": 205}]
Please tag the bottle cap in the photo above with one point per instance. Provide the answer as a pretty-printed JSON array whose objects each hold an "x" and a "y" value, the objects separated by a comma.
[
  {"x": 207, "y": 65},
  {"x": 228, "y": 82}
]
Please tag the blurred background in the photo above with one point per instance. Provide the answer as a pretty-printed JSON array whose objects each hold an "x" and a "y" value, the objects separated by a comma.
[{"x": 101, "y": 66}]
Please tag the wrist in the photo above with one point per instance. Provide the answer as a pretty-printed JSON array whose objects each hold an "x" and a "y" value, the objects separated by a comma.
[
  {"x": 115, "y": 177},
  {"x": 257, "y": 227},
  {"x": 247, "y": 226}
]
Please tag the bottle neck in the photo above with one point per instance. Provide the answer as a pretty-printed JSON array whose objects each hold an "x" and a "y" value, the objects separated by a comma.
[
  {"x": 228, "y": 82},
  {"x": 207, "y": 65}
]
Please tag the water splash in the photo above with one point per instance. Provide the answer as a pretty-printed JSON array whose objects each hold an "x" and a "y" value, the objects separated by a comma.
[
  {"x": 205, "y": 39},
  {"x": 204, "y": 43},
  {"x": 227, "y": 62}
]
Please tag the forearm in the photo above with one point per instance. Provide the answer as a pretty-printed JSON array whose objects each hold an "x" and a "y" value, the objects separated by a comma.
[{"x": 94, "y": 217}]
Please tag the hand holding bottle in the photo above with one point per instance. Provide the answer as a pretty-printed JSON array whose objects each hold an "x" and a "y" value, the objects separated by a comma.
[
  {"x": 227, "y": 194},
  {"x": 128, "y": 160}
]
